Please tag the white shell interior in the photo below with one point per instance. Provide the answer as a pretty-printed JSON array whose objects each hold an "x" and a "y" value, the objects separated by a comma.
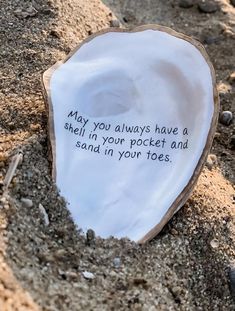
[{"x": 140, "y": 79}]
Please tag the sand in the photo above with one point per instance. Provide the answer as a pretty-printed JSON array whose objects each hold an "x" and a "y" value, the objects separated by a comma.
[{"x": 42, "y": 266}]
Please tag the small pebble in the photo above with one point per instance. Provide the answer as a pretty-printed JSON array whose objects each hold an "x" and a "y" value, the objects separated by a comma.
[
  {"x": 223, "y": 88},
  {"x": 117, "y": 262},
  {"x": 61, "y": 272},
  {"x": 26, "y": 202},
  {"x": 113, "y": 274},
  {"x": 60, "y": 253},
  {"x": 226, "y": 118},
  {"x": 214, "y": 243},
  {"x": 71, "y": 275},
  {"x": 6, "y": 206},
  {"x": 88, "y": 275},
  {"x": 3, "y": 225},
  {"x": 186, "y": 4},
  {"x": 211, "y": 161},
  {"x": 29, "y": 12},
  {"x": 228, "y": 32},
  {"x": 208, "y": 6},
  {"x": 115, "y": 23},
  {"x": 3, "y": 200},
  {"x": 177, "y": 290},
  {"x": 44, "y": 213},
  {"x": 174, "y": 232}
]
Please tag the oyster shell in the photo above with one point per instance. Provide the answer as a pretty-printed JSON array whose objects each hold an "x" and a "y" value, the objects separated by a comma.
[{"x": 132, "y": 115}]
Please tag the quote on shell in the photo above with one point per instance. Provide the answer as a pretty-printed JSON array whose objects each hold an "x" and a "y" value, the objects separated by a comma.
[{"x": 123, "y": 141}]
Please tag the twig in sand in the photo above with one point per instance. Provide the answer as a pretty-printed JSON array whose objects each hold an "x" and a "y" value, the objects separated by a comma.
[
  {"x": 12, "y": 168},
  {"x": 45, "y": 215}
]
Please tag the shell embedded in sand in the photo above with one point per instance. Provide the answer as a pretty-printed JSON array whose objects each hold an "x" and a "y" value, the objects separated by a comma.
[{"x": 132, "y": 115}]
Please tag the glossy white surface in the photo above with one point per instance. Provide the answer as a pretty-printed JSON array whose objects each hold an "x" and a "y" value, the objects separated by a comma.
[{"x": 140, "y": 79}]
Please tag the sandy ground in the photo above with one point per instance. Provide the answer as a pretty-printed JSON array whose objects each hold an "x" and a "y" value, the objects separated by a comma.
[{"x": 41, "y": 267}]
